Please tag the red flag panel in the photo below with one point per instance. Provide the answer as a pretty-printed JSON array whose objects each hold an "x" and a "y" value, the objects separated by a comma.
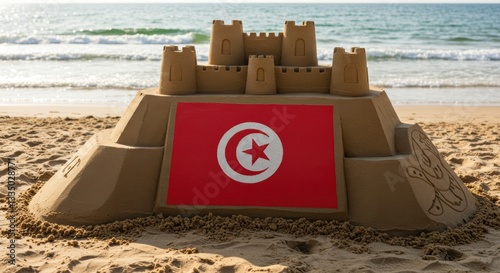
[{"x": 271, "y": 155}]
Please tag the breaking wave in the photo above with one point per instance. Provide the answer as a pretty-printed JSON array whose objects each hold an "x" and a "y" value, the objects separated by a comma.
[
  {"x": 452, "y": 55},
  {"x": 129, "y": 83},
  {"x": 324, "y": 55},
  {"x": 131, "y": 31},
  {"x": 187, "y": 38},
  {"x": 201, "y": 57},
  {"x": 423, "y": 54}
]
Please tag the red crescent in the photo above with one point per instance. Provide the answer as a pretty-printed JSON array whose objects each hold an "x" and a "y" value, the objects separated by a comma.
[{"x": 230, "y": 152}]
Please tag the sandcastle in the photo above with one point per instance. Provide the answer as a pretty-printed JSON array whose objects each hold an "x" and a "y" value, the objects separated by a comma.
[{"x": 261, "y": 130}]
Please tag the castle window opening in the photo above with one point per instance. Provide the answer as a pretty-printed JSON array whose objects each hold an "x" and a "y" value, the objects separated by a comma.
[
  {"x": 226, "y": 47},
  {"x": 350, "y": 74},
  {"x": 260, "y": 75},
  {"x": 300, "y": 47},
  {"x": 175, "y": 72}
]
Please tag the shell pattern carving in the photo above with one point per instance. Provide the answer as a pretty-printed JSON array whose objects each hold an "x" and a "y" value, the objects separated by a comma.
[{"x": 432, "y": 170}]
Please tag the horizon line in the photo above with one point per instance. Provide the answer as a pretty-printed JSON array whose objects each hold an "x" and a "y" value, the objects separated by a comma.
[{"x": 63, "y": 2}]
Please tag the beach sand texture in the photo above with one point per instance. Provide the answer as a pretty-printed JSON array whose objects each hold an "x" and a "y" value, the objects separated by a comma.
[{"x": 39, "y": 146}]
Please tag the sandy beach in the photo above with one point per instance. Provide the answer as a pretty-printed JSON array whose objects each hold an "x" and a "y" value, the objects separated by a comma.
[{"x": 39, "y": 140}]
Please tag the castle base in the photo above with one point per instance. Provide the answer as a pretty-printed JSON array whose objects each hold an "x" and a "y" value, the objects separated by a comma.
[{"x": 317, "y": 156}]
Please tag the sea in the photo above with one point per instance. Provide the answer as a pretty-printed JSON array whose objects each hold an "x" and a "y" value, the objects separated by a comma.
[{"x": 102, "y": 54}]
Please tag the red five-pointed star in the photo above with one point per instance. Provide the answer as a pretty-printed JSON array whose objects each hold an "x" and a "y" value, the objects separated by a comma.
[{"x": 257, "y": 151}]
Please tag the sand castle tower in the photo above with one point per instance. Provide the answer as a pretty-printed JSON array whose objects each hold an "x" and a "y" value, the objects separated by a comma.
[
  {"x": 178, "y": 75},
  {"x": 286, "y": 139},
  {"x": 299, "y": 45},
  {"x": 261, "y": 79},
  {"x": 226, "y": 44},
  {"x": 349, "y": 73}
]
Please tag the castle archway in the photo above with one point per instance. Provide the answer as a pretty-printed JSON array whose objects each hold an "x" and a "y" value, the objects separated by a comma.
[
  {"x": 226, "y": 47},
  {"x": 300, "y": 47}
]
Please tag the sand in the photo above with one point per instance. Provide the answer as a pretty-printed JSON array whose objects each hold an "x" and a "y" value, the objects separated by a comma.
[{"x": 468, "y": 138}]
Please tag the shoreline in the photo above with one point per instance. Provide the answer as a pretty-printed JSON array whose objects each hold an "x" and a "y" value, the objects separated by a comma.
[{"x": 406, "y": 113}]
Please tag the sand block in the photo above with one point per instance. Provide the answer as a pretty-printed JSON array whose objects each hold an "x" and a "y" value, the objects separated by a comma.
[
  {"x": 303, "y": 79},
  {"x": 102, "y": 182},
  {"x": 414, "y": 191},
  {"x": 221, "y": 79},
  {"x": 368, "y": 124},
  {"x": 374, "y": 113},
  {"x": 144, "y": 121}
]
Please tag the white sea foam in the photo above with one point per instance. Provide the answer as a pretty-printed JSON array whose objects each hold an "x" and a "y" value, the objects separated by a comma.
[
  {"x": 324, "y": 55},
  {"x": 492, "y": 54},
  {"x": 101, "y": 39},
  {"x": 67, "y": 96}
]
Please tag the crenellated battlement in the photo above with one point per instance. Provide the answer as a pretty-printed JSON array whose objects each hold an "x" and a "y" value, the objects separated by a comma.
[
  {"x": 263, "y": 63},
  {"x": 304, "y": 24},
  {"x": 354, "y": 50},
  {"x": 261, "y": 78},
  {"x": 219, "y": 68},
  {"x": 221, "y": 79},
  {"x": 349, "y": 72},
  {"x": 170, "y": 48},
  {"x": 263, "y": 44},
  {"x": 226, "y": 44},
  {"x": 299, "y": 44},
  {"x": 303, "y": 79},
  {"x": 263, "y": 35},
  {"x": 234, "y": 23},
  {"x": 175, "y": 49},
  {"x": 261, "y": 57},
  {"x": 301, "y": 70}
]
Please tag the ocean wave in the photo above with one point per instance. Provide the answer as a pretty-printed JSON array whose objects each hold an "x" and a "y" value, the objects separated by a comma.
[
  {"x": 434, "y": 85},
  {"x": 132, "y": 31},
  {"x": 324, "y": 55},
  {"x": 123, "y": 85},
  {"x": 463, "y": 39},
  {"x": 78, "y": 57},
  {"x": 437, "y": 83},
  {"x": 452, "y": 55},
  {"x": 141, "y": 84},
  {"x": 424, "y": 54},
  {"x": 187, "y": 38},
  {"x": 201, "y": 57}
]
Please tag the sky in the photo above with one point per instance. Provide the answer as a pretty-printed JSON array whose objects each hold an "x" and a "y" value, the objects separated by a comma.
[{"x": 244, "y": 1}]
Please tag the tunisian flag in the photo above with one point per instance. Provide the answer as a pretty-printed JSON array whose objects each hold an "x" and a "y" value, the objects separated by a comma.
[{"x": 271, "y": 155}]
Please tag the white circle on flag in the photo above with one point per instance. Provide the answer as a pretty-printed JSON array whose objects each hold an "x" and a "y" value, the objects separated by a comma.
[{"x": 250, "y": 152}]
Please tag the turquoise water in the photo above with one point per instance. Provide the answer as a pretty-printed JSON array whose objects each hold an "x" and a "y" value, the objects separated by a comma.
[{"x": 103, "y": 53}]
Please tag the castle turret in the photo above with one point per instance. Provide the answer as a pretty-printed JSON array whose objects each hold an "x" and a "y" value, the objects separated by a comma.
[
  {"x": 349, "y": 73},
  {"x": 261, "y": 78},
  {"x": 178, "y": 71},
  {"x": 299, "y": 45},
  {"x": 226, "y": 44}
]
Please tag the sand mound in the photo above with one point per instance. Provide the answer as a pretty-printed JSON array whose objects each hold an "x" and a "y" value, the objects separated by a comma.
[{"x": 210, "y": 243}]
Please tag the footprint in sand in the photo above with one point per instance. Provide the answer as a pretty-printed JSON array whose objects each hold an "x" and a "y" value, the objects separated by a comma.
[
  {"x": 306, "y": 247},
  {"x": 472, "y": 163},
  {"x": 33, "y": 143}
]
